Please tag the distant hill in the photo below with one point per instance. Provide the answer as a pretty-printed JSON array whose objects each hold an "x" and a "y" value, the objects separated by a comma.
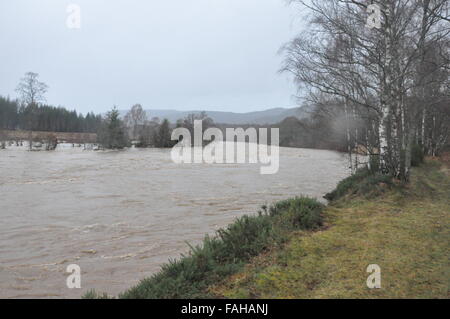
[{"x": 270, "y": 116}]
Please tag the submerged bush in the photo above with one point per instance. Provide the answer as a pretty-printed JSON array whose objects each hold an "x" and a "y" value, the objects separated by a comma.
[
  {"x": 228, "y": 251},
  {"x": 111, "y": 134}
]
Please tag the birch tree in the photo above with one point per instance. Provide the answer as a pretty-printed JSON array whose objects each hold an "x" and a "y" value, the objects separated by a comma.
[
  {"x": 32, "y": 93},
  {"x": 135, "y": 119},
  {"x": 375, "y": 68}
]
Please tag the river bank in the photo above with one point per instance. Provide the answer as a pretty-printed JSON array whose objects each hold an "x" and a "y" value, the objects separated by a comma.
[
  {"x": 405, "y": 229},
  {"x": 299, "y": 248},
  {"x": 120, "y": 215}
]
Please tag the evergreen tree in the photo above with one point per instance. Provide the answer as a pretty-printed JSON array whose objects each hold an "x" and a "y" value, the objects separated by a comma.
[
  {"x": 14, "y": 115},
  {"x": 112, "y": 134},
  {"x": 163, "y": 138}
]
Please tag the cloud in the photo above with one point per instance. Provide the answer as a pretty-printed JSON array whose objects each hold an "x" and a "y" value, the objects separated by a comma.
[{"x": 184, "y": 54}]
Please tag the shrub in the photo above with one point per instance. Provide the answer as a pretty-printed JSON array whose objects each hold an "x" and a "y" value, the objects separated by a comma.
[
  {"x": 227, "y": 252},
  {"x": 348, "y": 185},
  {"x": 302, "y": 213},
  {"x": 363, "y": 182},
  {"x": 92, "y": 294},
  {"x": 373, "y": 184},
  {"x": 417, "y": 155},
  {"x": 374, "y": 161}
]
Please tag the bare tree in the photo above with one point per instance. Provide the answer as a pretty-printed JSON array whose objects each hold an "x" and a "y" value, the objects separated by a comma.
[
  {"x": 189, "y": 121},
  {"x": 32, "y": 93},
  {"x": 373, "y": 71},
  {"x": 2, "y": 140},
  {"x": 31, "y": 90},
  {"x": 135, "y": 120}
]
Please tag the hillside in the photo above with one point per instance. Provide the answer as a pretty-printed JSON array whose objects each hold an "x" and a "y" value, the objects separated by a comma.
[{"x": 271, "y": 116}]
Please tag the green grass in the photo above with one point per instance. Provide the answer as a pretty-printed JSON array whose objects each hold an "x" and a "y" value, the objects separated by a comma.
[
  {"x": 363, "y": 183},
  {"x": 405, "y": 229}
]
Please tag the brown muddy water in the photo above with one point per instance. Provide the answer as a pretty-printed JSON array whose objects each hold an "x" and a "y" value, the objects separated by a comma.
[{"x": 120, "y": 215}]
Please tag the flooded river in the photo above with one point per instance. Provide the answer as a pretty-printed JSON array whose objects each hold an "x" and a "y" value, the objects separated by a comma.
[{"x": 120, "y": 215}]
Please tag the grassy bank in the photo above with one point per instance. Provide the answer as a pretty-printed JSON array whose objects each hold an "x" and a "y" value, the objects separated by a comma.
[
  {"x": 405, "y": 229},
  {"x": 299, "y": 248}
]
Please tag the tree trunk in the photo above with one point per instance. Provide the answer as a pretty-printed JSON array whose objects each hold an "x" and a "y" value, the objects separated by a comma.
[{"x": 349, "y": 144}]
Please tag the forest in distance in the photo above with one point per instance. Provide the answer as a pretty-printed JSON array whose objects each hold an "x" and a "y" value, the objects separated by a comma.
[{"x": 318, "y": 129}]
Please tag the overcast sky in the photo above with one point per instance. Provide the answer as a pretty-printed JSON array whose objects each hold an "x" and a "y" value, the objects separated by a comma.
[{"x": 165, "y": 54}]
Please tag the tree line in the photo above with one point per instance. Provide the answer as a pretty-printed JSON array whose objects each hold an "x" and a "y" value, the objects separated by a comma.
[
  {"x": 136, "y": 127},
  {"x": 30, "y": 113},
  {"x": 33, "y": 117},
  {"x": 145, "y": 132}
]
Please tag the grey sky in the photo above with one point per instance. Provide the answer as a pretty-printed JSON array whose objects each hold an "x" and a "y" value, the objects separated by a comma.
[{"x": 166, "y": 54}]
